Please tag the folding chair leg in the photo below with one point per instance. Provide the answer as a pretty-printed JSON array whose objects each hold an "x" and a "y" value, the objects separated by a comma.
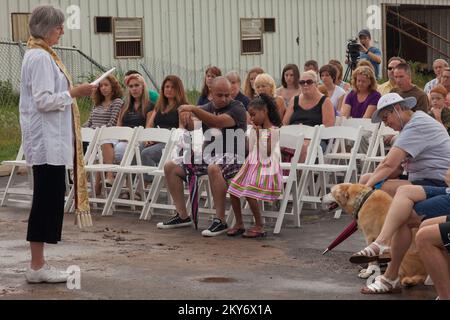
[
  {"x": 295, "y": 210},
  {"x": 152, "y": 197},
  {"x": 69, "y": 200},
  {"x": 114, "y": 193},
  {"x": 9, "y": 184},
  {"x": 284, "y": 203}
]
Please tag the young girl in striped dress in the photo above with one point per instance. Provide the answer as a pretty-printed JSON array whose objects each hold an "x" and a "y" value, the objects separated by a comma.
[{"x": 260, "y": 177}]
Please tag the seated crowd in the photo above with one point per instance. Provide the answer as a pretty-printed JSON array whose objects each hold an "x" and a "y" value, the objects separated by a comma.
[{"x": 414, "y": 170}]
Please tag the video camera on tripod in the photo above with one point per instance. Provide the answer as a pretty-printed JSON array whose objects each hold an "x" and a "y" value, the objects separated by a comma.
[{"x": 353, "y": 52}]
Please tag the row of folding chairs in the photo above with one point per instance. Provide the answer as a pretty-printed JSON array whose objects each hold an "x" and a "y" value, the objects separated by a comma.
[
  {"x": 305, "y": 183},
  {"x": 129, "y": 173}
]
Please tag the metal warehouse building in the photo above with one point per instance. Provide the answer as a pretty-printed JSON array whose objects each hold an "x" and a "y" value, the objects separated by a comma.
[{"x": 184, "y": 36}]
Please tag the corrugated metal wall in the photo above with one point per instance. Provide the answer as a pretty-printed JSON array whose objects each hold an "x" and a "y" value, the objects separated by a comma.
[{"x": 183, "y": 36}]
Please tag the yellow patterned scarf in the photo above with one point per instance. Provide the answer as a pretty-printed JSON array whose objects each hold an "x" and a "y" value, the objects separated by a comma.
[{"x": 82, "y": 211}]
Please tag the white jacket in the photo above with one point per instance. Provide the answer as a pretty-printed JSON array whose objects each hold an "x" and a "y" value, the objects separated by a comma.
[{"x": 45, "y": 111}]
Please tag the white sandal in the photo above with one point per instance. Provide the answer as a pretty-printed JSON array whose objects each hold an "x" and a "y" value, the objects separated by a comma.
[
  {"x": 383, "y": 285},
  {"x": 373, "y": 252}
]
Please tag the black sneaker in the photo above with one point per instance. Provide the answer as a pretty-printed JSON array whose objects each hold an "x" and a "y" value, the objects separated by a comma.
[
  {"x": 217, "y": 228},
  {"x": 175, "y": 222}
]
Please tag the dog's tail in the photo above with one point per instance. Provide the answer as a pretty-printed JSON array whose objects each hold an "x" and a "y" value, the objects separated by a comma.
[{"x": 413, "y": 281}]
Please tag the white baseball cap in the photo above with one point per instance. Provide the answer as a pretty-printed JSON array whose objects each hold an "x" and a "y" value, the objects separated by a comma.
[{"x": 391, "y": 99}]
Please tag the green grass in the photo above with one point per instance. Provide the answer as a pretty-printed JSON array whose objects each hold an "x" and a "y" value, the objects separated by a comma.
[{"x": 10, "y": 134}]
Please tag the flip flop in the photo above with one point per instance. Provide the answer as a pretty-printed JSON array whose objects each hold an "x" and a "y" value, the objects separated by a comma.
[
  {"x": 252, "y": 234},
  {"x": 234, "y": 232}
]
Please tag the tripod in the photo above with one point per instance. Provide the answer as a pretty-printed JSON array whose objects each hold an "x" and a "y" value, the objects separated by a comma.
[{"x": 350, "y": 67}]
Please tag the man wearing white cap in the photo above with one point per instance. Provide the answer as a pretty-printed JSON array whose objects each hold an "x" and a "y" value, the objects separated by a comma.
[{"x": 422, "y": 148}]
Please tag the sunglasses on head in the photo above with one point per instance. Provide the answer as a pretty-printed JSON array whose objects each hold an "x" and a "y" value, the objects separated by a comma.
[{"x": 308, "y": 82}]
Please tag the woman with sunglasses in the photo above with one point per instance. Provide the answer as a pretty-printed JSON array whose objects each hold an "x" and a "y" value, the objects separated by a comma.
[{"x": 310, "y": 108}]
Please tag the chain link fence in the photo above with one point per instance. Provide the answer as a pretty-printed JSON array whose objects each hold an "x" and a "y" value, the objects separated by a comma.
[{"x": 80, "y": 66}]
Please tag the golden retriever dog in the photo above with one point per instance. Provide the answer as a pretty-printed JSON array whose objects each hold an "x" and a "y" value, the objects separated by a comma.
[{"x": 370, "y": 221}]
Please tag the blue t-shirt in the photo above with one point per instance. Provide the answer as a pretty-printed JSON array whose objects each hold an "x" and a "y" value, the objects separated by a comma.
[{"x": 376, "y": 66}]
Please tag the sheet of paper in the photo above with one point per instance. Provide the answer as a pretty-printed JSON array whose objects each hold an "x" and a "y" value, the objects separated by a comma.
[{"x": 103, "y": 76}]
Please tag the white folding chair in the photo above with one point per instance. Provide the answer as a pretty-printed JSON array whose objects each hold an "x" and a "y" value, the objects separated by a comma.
[
  {"x": 379, "y": 150},
  {"x": 295, "y": 142},
  {"x": 90, "y": 136},
  {"x": 156, "y": 188},
  {"x": 95, "y": 162},
  {"x": 370, "y": 130},
  {"x": 316, "y": 164},
  {"x": 128, "y": 171},
  {"x": 16, "y": 165}
]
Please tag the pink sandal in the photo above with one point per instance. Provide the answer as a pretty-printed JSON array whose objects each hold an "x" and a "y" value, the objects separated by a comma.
[{"x": 254, "y": 233}]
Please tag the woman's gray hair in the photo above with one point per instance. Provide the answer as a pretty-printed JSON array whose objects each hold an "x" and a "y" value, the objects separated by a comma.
[
  {"x": 233, "y": 75},
  {"x": 44, "y": 19}
]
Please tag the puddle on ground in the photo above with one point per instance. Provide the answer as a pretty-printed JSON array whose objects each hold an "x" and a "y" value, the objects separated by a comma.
[{"x": 217, "y": 280}]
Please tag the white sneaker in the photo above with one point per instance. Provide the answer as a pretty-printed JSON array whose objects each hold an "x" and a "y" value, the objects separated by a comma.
[{"x": 46, "y": 274}]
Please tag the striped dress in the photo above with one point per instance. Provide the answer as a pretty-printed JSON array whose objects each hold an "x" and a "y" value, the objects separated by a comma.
[{"x": 260, "y": 177}]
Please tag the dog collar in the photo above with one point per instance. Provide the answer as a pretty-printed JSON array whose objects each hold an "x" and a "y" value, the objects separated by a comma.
[{"x": 360, "y": 200}]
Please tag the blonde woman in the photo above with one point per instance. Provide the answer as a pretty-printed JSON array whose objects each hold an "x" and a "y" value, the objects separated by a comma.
[
  {"x": 362, "y": 101},
  {"x": 310, "y": 108},
  {"x": 136, "y": 110},
  {"x": 249, "y": 85},
  {"x": 264, "y": 83}
]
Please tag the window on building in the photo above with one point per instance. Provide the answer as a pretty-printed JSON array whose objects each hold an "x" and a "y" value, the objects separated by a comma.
[
  {"x": 251, "y": 36},
  {"x": 269, "y": 24},
  {"x": 128, "y": 37},
  {"x": 103, "y": 24},
  {"x": 20, "y": 32}
]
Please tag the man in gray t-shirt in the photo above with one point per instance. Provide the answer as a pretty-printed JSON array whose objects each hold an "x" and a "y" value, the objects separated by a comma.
[{"x": 422, "y": 147}]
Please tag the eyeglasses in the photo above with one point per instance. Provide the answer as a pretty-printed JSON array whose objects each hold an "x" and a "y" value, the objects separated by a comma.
[{"x": 308, "y": 82}]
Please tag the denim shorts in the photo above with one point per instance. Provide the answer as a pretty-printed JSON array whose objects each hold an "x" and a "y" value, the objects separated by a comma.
[
  {"x": 437, "y": 203},
  {"x": 429, "y": 182}
]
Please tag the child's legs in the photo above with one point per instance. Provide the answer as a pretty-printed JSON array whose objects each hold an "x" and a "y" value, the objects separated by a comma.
[
  {"x": 256, "y": 212},
  {"x": 236, "y": 204}
]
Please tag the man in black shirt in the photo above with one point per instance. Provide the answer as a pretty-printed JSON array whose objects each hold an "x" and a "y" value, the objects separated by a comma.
[{"x": 225, "y": 120}]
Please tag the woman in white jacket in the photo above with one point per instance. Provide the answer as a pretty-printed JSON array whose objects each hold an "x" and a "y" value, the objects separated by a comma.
[{"x": 46, "y": 99}]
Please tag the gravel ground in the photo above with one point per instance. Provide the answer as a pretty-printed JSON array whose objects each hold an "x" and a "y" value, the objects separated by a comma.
[{"x": 124, "y": 258}]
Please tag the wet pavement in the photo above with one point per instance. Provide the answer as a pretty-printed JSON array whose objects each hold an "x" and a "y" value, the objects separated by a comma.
[{"x": 122, "y": 257}]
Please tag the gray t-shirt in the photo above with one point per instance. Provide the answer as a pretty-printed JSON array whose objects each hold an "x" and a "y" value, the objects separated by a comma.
[
  {"x": 237, "y": 112},
  {"x": 428, "y": 146}
]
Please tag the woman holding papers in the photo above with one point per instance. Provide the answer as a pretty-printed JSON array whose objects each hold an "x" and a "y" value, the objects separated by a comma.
[{"x": 49, "y": 120}]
